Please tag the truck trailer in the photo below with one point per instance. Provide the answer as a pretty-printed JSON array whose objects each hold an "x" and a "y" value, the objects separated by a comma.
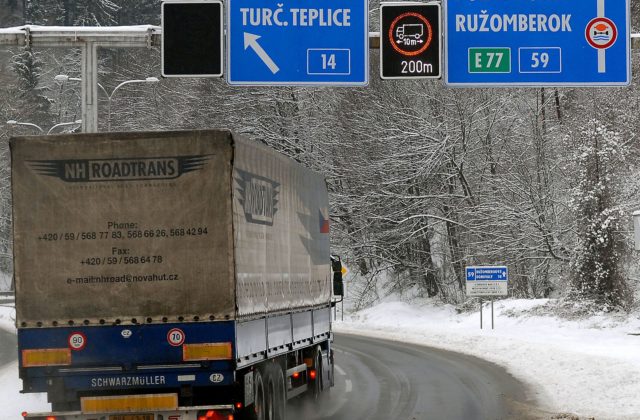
[{"x": 180, "y": 275}]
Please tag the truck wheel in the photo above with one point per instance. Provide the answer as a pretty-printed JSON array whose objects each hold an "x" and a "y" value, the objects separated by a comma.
[
  {"x": 280, "y": 392},
  {"x": 257, "y": 411},
  {"x": 316, "y": 384},
  {"x": 270, "y": 394}
]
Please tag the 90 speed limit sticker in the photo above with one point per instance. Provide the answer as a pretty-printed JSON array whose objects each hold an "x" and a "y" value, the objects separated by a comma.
[
  {"x": 77, "y": 341},
  {"x": 175, "y": 337}
]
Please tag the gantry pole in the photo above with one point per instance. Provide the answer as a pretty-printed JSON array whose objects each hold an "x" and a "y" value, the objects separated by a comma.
[{"x": 88, "y": 39}]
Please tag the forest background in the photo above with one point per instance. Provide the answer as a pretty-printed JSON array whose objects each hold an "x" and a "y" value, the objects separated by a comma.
[{"x": 424, "y": 179}]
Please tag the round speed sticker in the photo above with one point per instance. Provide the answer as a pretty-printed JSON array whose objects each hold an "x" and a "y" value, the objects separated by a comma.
[
  {"x": 175, "y": 337},
  {"x": 77, "y": 341}
]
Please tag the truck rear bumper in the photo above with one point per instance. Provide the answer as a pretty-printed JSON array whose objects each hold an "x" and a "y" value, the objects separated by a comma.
[{"x": 209, "y": 412}]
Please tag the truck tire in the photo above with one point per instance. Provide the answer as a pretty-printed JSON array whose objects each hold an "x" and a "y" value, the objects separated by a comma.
[
  {"x": 279, "y": 392},
  {"x": 275, "y": 392},
  {"x": 270, "y": 394},
  {"x": 316, "y": 384},
  {"x": 257, "y": 410}
]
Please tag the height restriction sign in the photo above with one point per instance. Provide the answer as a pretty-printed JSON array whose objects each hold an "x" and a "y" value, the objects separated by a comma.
[{"x": 410, "y": 40}]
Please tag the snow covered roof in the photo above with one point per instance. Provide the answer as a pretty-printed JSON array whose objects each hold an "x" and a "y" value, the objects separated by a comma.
[
  {"x": 69, "y": 36},
  {"x": 80, "y": 29}
]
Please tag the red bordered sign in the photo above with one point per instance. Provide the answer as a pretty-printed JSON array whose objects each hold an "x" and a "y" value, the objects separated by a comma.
[
  {"x": 601, "y": 33},
  {"x": 77, "y": 341},
  {"x": 176, "y": 337}
]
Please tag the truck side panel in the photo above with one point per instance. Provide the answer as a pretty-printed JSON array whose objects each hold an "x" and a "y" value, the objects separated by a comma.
[
  {"x": 263, "y": 338},
  {"x": 281, "y": 232}
]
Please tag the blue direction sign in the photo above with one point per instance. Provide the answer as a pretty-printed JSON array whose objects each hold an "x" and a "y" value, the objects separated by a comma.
[
  {"x": 298, "y": 42},
  {"x": 537, "y": 43},
  {"x": 499, "y": 273},
  {"x": 487, "y": 281}
]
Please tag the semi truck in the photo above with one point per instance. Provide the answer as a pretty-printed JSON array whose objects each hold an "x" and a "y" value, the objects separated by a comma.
[{"x": 181, "y": 275}]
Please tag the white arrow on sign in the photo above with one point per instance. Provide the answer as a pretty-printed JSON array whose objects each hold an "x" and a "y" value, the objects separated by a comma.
[{"x": 251, "y": 40}]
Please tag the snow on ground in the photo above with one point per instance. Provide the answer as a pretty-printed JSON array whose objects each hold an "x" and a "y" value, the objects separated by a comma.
[
  {"x": 12, "y": 403},
  {"x": 589, "y": 367},
  {"x": 5, "y": 281},
  {"x": 8, "y": 318}
]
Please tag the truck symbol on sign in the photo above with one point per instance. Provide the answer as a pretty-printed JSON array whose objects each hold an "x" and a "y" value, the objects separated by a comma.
[{"x": 409, "y": 30}]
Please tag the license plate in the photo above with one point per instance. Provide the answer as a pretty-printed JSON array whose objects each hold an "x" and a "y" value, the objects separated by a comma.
[{"x": 132, "y": 417}]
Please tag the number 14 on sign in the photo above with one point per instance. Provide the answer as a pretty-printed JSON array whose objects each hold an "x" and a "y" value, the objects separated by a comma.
[{"x": 328, "y": 61}]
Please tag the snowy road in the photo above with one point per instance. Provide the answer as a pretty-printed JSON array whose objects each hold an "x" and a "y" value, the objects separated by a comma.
[{"x": 377, "y": 379}]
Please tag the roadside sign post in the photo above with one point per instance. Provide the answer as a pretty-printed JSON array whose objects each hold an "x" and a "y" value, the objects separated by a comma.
[
  {"x": 537, "y": 43},
  {"x": 410, "y": 39},
  {"x": 487, "y": 281},
  {"x": 491, "y": 313},
  {"x": 480, "y": 313},
  {"x": 297, "y": 42}
]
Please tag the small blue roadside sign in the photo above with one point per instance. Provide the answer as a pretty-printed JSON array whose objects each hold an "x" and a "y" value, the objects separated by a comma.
[
  {"x": 299, "y": 42},
  {"x": 487, "y": 280},
  {"x": 537, "y": 43}
]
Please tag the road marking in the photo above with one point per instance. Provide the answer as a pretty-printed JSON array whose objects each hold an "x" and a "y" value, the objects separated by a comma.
[
  {"x": 348, "y": 386},
  {"x": 340, "y": 371}
]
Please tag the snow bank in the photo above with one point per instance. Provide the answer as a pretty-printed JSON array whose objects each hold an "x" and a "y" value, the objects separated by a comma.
[
  {"x": 7, "y": 318},
  {"x": 12, "y": 403},
  {"x": 589, "y": 367}
]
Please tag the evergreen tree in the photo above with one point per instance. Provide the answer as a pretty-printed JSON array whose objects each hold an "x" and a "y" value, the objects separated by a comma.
[
  {"x": 71, "y": 13},
  {"x": 597, "y": 271},
  {"x": 35, "y": 105}
]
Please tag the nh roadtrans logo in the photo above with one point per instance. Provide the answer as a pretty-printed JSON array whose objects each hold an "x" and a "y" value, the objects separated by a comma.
[{"x": 124, "y": 169}]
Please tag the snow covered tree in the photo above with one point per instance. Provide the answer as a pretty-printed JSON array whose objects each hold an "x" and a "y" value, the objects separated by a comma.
[
  {"x": 597, "y": 272},
  {"x": 35, "y": 105},
  {"x": 71, "y": 12}
]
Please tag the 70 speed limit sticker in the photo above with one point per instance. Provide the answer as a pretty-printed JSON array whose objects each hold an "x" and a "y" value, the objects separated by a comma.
[
  {"x": 77, "y": 341},
  {"x": 175, "y": 337}
]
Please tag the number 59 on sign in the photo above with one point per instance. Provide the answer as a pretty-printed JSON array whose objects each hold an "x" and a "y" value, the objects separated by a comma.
[{"x": 540, "y": 59}]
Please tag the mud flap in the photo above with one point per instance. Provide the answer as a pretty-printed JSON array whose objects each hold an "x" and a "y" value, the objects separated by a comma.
[
  {"x": 327, "y": 368},
  {"x": 248, "y": 389}
]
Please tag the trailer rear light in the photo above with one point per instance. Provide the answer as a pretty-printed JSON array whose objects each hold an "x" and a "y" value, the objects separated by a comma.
[
  {"x": 46, "y": 357},
  {"x": 212, "y": 415},
  {"x": 207, "y": 351},
  {"x": 238, "y": 406},
  {"x": 296, "y": 375},
  {"x": 121, "y": 403},
  {"x": 312, "y": 374}
]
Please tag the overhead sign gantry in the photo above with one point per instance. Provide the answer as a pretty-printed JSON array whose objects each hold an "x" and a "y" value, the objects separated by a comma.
[{"x": 537, "y": 43}]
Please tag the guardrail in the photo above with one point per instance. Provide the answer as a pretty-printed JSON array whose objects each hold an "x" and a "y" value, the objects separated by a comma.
[{"x": 7, "y": 297}]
